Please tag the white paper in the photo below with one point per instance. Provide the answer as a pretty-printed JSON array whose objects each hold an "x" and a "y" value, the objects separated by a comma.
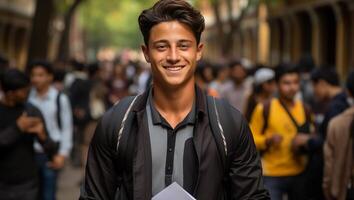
[{"x": 173, "y": 192}]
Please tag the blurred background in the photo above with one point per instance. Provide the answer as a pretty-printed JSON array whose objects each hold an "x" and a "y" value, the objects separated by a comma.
[
  {"x": 102, "y": 40},
  {"x": 264, "y": 32}
]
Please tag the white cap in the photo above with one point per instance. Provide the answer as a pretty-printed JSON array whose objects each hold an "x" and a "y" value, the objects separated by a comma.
[{"x": 263, "y": 75}]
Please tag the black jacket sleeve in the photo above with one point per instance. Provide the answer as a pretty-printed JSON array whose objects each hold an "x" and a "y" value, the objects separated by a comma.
[
  {"x": 49, "y": 146},
  {"x": 101, "y": 180},
  {"x": 245, "y": 167}
]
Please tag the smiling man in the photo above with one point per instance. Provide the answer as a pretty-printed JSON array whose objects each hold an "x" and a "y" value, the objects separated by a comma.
[{"x": 168, "y": 134}]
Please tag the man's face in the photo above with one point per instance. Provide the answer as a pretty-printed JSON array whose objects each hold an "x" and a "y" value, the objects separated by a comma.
[
  {"x": 40, "y": 78},
  {"x": 270, "y": 87},
  {"x": 289, "y": 85},
  {"x": 319, "y": 89},
  {"x": 238, "y": 74},
  {"x": 19, "y": 96},
  {"x": 172, "y": 52}
]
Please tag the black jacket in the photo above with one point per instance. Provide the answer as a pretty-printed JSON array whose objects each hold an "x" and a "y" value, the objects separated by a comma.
[
  {"x": 17, "y": 162},
  {"x": 103, "y": 176}
]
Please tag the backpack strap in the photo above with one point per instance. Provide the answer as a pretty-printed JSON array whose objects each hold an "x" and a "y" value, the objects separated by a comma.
[
  {"x": 57, "y": 101},
  {"x": 223, "y": 128},
  {"x": 125, "y": 140},
  {"x": 217, "y": 128},
  {"x": 266, "y": 110}
]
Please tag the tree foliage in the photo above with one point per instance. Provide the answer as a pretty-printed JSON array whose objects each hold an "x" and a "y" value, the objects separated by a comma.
[{"x": 112, "y": 23}]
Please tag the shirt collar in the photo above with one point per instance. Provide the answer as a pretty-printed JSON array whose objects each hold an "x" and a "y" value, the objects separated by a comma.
[
  {"x": 50, "y": 93},
  {"x": 157, "y": 119}
]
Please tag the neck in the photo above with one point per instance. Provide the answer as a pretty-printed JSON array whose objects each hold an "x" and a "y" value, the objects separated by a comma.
[
  {"x": 333, "y": 91},
  {"x": 288, "y": 102},
  {"x": 264, "y": 95},
  {"x": 43, "y": 91},
  {"x": 174, "y": 104}
]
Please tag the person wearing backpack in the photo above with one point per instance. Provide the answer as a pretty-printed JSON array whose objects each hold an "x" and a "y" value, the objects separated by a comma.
[
  {"x": 281, "y": 128},
  {"x": 338, "y": 177},
  {"x": 56, "y": 110},
  {"x": 173, "y": 132}
]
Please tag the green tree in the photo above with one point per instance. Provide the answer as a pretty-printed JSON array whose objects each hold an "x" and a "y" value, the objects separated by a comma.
[{"x": 112, "y": 23}]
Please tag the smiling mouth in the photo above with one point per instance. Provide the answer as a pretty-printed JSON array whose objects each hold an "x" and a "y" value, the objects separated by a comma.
[{"x": 173, "y": 68}]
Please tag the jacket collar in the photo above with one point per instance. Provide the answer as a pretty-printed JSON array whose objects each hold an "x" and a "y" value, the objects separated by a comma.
[{"x": 200, "y": 101}]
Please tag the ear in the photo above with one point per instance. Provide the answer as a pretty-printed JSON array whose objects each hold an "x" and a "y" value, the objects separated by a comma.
[
  {"x": 200, "y": 48},
  {"x": 145, "y": 50}
]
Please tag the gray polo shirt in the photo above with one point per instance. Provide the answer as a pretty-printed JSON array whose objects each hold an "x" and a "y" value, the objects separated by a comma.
[{"x": 167, "y": 147}]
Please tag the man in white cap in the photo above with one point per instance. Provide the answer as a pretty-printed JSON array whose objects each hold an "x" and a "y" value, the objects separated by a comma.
[{"x": 263, "y": 89}]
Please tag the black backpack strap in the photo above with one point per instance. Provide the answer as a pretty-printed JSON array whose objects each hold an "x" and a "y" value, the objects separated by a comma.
[
  {"x": 57, "y": 101},
  {"x": 125, "y": 140},
  {"x": 217, "y": 129},
  {"x": 266, "y": 110},
  {"x": 223, "y": 127}
]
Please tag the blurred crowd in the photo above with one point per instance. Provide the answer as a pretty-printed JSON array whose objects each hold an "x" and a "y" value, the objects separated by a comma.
[{"x": 49, "y": 113}]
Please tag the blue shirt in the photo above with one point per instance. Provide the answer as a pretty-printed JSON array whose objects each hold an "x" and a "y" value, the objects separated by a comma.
[{"x": 48, "y": 107}]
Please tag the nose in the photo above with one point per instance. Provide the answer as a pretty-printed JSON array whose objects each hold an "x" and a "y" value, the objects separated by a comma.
[{"x": 173, "y": 56}]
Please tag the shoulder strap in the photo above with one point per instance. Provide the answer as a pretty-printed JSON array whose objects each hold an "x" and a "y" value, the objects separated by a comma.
[
  {"x": 125, "y": 140},
  {"x": 266, "y": 110},
  {"x": 58, "y": 110},
  {"x": 220, "y": 129},
  {"x": 307, "y": 113},
  {"x": 289, "y": 114}
]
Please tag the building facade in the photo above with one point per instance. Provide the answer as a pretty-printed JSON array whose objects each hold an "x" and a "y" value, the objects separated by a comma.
[{"x": 286, "y": 30}]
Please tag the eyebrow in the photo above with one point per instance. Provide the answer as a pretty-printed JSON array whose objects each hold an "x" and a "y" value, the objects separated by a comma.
[{"x": 166, "y": 41}]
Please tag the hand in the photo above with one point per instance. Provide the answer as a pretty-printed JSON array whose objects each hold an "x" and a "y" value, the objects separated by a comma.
[
  {"x": 300, "y": 140},
  {"x": 25, "y": 123},
  {"x": 274, "y": 140},
  {"x": 58, "y": 162},
  {"x": 38, "y": 129}
]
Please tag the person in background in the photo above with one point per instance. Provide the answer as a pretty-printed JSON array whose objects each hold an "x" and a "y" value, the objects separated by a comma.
[
  {"x": 20, "y": 124},
  {"x": 58, "y": 81},
  {"x": 79, "y": 94},
  {"x": 236, "y": 90},
  {"x": 56, "y": 110},
  {"x": 305, "y": 66},
  {"x": 264, "y": 88},
  {"x": 119, "y": 85},
  {"x": 326, "y": 85},
  {"x": 274, "y": 126},
  {"x": 325, "y": 81},
  {"x": 338, "y": 176},
  {"x": 203, "y": 77},
  {"x": 221, "y": 74}
]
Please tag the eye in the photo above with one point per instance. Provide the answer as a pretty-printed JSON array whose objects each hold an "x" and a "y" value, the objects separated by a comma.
[
  {"x": 184, "y": 46},
  {"x": 161, "y": 47}
]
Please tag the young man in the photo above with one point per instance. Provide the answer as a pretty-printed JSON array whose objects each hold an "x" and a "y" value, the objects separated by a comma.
[
  {"x": 236, "y": 90},
  {"x": 169, "y": 126},
  {"x": 338, "y": 152},
  {"x": 327, "y": 88},
  {"x": 56, "y": 110},
  {"x": 282, "y": 158},
  {"x": 20, "y": 124}
]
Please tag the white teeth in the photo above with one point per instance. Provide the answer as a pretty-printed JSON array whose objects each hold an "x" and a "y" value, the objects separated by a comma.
[{"x": 173, "y": 68}]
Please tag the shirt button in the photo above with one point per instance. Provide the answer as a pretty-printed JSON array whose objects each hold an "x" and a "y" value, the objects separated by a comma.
[
  {"x": 169, "y": 167},
  {"x": 170, "y": 149}
]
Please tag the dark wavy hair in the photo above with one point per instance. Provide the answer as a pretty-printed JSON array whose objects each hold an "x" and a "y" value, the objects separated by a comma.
[{"x": 170, "y": 10}]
